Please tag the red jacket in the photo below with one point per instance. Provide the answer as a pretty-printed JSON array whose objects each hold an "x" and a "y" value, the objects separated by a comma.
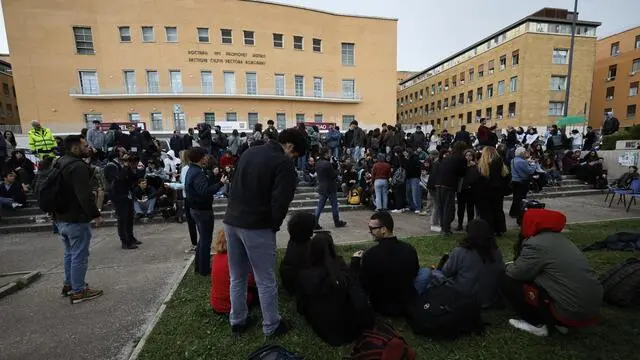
[
  {"x": 226, "y": 160},
  {"x": 220, "y": 282}
]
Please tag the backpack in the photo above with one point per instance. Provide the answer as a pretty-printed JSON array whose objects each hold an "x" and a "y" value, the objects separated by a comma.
[
  {"x": 399, "y": 176},
  {"x": 601, "y": 183},
  {"x": 381, "y": 343},
  {"x": 110, "y": 139},
  {"x": 51, "y": 191},
  {"x": 622, "y": 283},
  {"x": 354, "y": 197},
  {"x": 444, "y": 312},
  {"x": 273, "y": 352}
]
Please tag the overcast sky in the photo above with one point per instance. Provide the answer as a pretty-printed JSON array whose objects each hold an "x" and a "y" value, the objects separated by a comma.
[{"x": 431, "y": 30}]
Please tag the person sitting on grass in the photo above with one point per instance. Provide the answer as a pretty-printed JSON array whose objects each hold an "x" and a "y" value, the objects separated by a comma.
[
  {"x": 550, "y": 285},
  {"x": 300, "y": 229},
  {"x": 12, "y": 192},
  {"x": 144, "y": 199},
  {"x": 387, "y": 270},
  {"x": 220, "y": 299},
  {"x": 330, "y": 297}
]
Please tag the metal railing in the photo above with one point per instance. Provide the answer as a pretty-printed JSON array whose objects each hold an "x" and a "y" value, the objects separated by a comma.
[{"x": 14, "y": 128}]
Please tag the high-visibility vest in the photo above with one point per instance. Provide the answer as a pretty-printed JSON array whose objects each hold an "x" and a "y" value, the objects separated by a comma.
[{"x": 41, "y": 140}]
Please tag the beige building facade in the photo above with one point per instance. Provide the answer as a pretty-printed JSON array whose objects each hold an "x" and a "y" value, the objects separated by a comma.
[
  {"x": 174, "y": 64},
  {"x": 9, "y": 112},
  {"x": 516, "y": 77}
]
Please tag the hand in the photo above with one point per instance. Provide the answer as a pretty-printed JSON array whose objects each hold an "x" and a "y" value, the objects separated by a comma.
[
  {"x": 99, "y": 221},
  {"x": 25, "y": 187},
  {"x": 358, "y": 253},
  {"x": 224, "y": 179}
]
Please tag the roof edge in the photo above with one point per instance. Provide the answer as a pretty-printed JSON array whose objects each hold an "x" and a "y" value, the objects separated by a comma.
[
  {"x": 320, "y": 11},
  {"x": 632, "y": 27}
]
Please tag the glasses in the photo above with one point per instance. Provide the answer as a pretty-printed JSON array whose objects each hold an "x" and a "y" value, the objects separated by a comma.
[{"x": 372, "y": 228}]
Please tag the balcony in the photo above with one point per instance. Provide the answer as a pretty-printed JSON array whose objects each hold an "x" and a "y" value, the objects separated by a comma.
[{"x": 199, "y": 93}]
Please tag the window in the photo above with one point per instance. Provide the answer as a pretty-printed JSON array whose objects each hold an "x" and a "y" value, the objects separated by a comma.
[
  {"x": 633, "y": 88},
  {"x": 281, "y": 121},
  {"x": 147, "y": 33},
  {"x": 348, "y": 54},
  {"x": 635, "y": 67},
  {"x": 317, "y": 45},
  {"x": 278, "y": 41},
  {"x": 433, "y": 89},
  {"x": 439, "y": 106},
  {"x": 176, "y": 81},
  {"x": 470, "y": 97},
  {"x": 454, "y": 81},
  {"x": 461, "y": 98},
  {"x": 299, "y": 118},
  {"x": 317, "y": 87},
  {"x": 446, "y": 103},
  {"x": 610, "y": 92},
  {"x": 469, "y": 117},
  {"x": 317, "y": 118},
  {"x": 489, "y": 113},
  {"x": 90, "y": 118},
  {"x": 210, "y": 118},
  {"x": 279, "y": 84},
  {"x": 179, "y": 122},
  {"x": 203, "y": 35},
  {"x": 491, "y": 67},
  {"x": 615, "y": 49},
  {"x": 252, "y": 119},
  {"x": 560, "y": 56},
  {"x": 134, "y": 117},
  {"x": 500, "y": 87},
  {"x": 470, "y": 74},
  {"x": 156, "y": 121},
  {"x": 349, "y": 89},
  {"x": 512, "y": 110},
  {"x": 460, "y": 117},
  {"x": 129, "y": 82},
  {"x": 515, "y": 58},
  {"x": 206, "y": 82},
  {"x": 421, "y": 94},
  {"x": 232, "y": 116},
  {"x": 462, "y": 78},
  {"x": 611, "y": 74},
  {"x": 513, "y": 84},
  {"x": 346, "y": 120},
  {"x": 153, "y": 82},
  {"x": 490, "y": 91},
  {"x": 479, "y": 94},
  {"x": 9, "y": 110},
  {"x": 558, "y": 83},
  {"x": 499, "y": 111},
  {"x": 631, "y": 111},
  {"x": 249, "y": 37},
  {"x": 446, "y": 84},
  {"x": 84, "y": 40},
  {"x": 252, "y": 83},
  {"x": 298, "y": 82},
  {"x": 226, "y": 36},
  {"x": 125, "y": 33},
  {"x": 89, "y": 82},
  {"x": 5, "y": 89},
  {"x": 298, "y": 42},
  {"x": 480, "y": 71},
  {"x": 229, "y": 82},
  {"x": 478, "y": 114},
  {"x": 556, "y": 108},
  {"x": 439, "y": 87},
  {"x": 172, "y": 33},
  {"x": 503, "y": 62},
  {"x": 637, "y": 42}
]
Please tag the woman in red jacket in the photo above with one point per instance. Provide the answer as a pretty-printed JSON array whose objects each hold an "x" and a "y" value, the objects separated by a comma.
[{"x": 221, "y": 281}]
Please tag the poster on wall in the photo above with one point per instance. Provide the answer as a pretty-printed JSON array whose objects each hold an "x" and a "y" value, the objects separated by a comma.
[{"x": 628, "y": 159}]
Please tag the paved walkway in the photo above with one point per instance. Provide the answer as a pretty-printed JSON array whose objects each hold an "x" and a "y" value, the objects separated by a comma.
[{"x": 38, "y": 324}]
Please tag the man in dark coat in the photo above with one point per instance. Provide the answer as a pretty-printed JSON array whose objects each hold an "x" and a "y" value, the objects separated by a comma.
[
  {"x": 327, "y": 177},
  {"x": 463, "y": 135},
  {"x": 176, "y": 143},
  {"x": 418, "y": 139}
]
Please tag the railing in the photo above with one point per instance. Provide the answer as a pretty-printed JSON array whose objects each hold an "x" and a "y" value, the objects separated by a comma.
[
  {"x": 14, "y": 128},
  {"x": 284, "y": 94}
]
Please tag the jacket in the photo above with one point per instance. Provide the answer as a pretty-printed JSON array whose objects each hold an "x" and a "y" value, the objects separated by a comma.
[
  {"x": 333, "y": 138},
  {"x": 119, "y": 180},
  {"x": 358, "y": 137},
  {"x": 463, "y": 136},
  {"x": 41, "y": 140},
  {"x": 187, "y": 141},
  {"x": 522, "y": 170},
  {"x": 234, "y": 144},
  {"x": 413, "y": 167},
  {"x": 552, "y": 261},
  {"x": 139, "y": 193},
  {"x": 327, "y": 177},
  {"x": 295, "y": 260},
  {"x": 381, "y": 170},
  {"x": 220, "y": 284},
  {"x": 176, "y": 144},
  {"x": 95, "y": 138},
  {"x": 450, "y": 171},
  {"x": 76, "y": 176},
  {"x": 200, "y": 188},
  {"x": 262, "y": 188},
  {"x": 418, "y": 140},
  {"x": 399, "y": 139},
  {"x": 14, "y": 192},
  {"x": 483, "y": 134}
]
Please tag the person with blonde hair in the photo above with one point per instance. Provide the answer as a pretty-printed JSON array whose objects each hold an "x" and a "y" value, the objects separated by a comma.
[{"x": 491, "y": 188}]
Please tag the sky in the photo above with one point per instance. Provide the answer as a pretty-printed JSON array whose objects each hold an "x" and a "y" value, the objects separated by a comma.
[{"x": 430, "y": 30}]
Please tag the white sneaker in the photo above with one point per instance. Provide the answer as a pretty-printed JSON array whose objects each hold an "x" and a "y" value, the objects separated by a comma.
[
  {"x": 417, "y": 212},
  {"x": 541, "y": 331},
  {"x": 16, "y": 205},
  {"x": 406, "y": 210},
  {"x": 396, "y": 211},
  {"x": 436, "y": 228},
  {"x": 423, "y": 213},
  {"x": 562, "y": 330}
]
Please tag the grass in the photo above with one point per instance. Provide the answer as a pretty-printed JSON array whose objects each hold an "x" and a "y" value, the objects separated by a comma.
[{"x": 189, "y": 330}]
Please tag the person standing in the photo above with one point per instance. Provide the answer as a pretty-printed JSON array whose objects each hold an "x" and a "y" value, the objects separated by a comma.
[
  {"x": 176, "y": 142},
  {"x": 357, "y": 142},
  {"x": 327, "y": 177},
  {"x": 187, "y": 139},
  {"x": 589, "y": 139},
  {"x": 74, "y": 219},
  {"x": 120, "y": 178},
  {"x": 95, "y": 138},
  {"x": 185, "y": 164},
  {"x": 261, "y": 191},
  {"x": 490, "y": 189},
  {"x": 450, "y": 172},
  {"x": 414, "y": 190},
  {"x": 521, "y": 173},
  {"x": 380, "y": 173},
  {"x": 333, "y": 141},
  {"x": 200, "y": 189},
  {"x": 463, "y": 135},
  {"x": 271, "y": 133},
  {"x": 418, "y": 140},
  {"x": 41, "y": 141},
  {"x": 483, "y": 132}
]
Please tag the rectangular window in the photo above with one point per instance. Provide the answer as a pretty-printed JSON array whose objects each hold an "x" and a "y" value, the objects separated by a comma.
[
  {"x": 279, "y": 79},
  {"x": 298, "y": 42},
  {"x": 491, "y": 67},
  {"x": 278, "y": 41},
  {"x": 298, "y": 82},
  {"x": 611, "y": 74},
  {"x": 206, "y": 82},
  {"x": 480, "y": 71},
  {"x": 560, "y": 56},
  {"x": 172, "y": 33},
  {"x": 226, "y": 36},
  {"x": 153, "y": 82},
  {"x": 631, "y": 111},
  {"x": 615, "y": 49},
  {"x": 89, "y": 82},
  {"x": 299, "y": 118},
  {"x": 439, "y": 106},
  {"x": 176, "y": 81},
  {"x": 470, "y": 75},
  {"x": 454, "y": 81},
  {"x": 249, "y": 37},
  {"x": 461, "y": 99},
  {"x": 453, "y": 100},
  {"x": 489, "y": 113},
  {"x": 179, "y": 122},
  {"x": 633, "y": 88},
  {"x": 203, "y": 35},
  {"x": 281, "y": 121},
  {"x": 503, "y": 62},
  {"x": 439, "y": 87},
  {"x": 317, "y": 87},
  {"x": 470, "y": 97},
  {"x": 252, "y": 119},
  {"x": 232, "y": 116},
  {"x": 635, "y": 67},
  {"x": 129, "y": 82},
  {"x": 348, "y": 89},
  {"x": 556, "y": 108},
  {"x": 156, "y": 121},
  {"x": 317, "y": 45},
  {"x": 90, "y": 118},
  {"x": 469, "y": 117},
  {"x": 84, "y": 40},
  {"x": 134, "y": 117},
  {"x": 558, "y": 83},
  {"x": 512, "y": 110},
  {"x": 500, "y": 87},
  {"x": 229, "y": 82},
  {"x": 499, "y": 111},
  {"x": 125, "y": 33},
  {"x": 147, "y": 34},
  {"x": 478, "y": 114},
  {"x": 638, "y": 42},
  {"x": 460, "y": 118},
  {"x": 347, "y": 120},
  {"x": 5, "y": 89},
  {"x": 210, "y": 118},
  {"x": 317, "y": 118},
  {"x": 348, "y": 54},
  {"x": 252, "y": 83},
  {"x": 610, "y": 92},
  {"x": 479, "y": 94},
  {"x": 513, "y": 84},
  {"x": 515, "y": 58},
  {"x": 462, "y": 78}
]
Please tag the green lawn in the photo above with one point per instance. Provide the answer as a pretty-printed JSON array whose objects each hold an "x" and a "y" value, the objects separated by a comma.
[{"x": 189, "y": 330}]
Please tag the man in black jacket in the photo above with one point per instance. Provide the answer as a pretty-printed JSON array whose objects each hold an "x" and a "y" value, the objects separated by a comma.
[
  {"x": 176, "y": 143},
  {"x": 327, "y": 176},
  {"x": 200, "y": 187},
  {"x": 463, "y": 135},
  {"x": 187, "y": 140},
  {"x": 74, "y": 223},
  {"x": 120, "y": 178},
  {"x": 450, "y": 171},
  {"x": 418, "y": 139},
  {"x": 262, "y": 189}
]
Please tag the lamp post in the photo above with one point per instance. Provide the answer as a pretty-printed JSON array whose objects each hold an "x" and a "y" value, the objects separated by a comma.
[{"x": 573, "y": 40}]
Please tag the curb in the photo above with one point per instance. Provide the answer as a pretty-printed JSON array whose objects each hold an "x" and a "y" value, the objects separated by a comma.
[{"x": 19, "y": 284}]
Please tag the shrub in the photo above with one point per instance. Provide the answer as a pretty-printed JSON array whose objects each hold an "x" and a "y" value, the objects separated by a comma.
[{"x": 631, "y": 133}]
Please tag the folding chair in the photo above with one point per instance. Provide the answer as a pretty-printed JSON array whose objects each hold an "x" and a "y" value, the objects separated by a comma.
[
  {"x": 621, "y": 195},
  {"x": 635, "y": 192}
]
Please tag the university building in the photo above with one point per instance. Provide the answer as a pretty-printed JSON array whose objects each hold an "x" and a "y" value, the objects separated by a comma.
[
  {"x": 9, "y": 118},
  {"x": 517, "y": 76},
  {"x": 174, "y": 64},
  {"x": 616, "y": 78}
]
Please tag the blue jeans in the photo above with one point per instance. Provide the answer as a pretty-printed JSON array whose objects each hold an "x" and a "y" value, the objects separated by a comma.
[
  {"x": 253, "y": 249},
  {"x": 302, "y": 162},
  {"x": 414, "y": 194},
  {"x": 333, "y": 198},
  {"x": 6, "y": 203},
  {"x": 382, "y": 193},
  {"x": 204, "y": 224},
  {"x": 335, "y": 152},
  {"x": 76, "y": 238},
  {"x": 355, "y": 152},
  {"x": 146, "y": 208}
]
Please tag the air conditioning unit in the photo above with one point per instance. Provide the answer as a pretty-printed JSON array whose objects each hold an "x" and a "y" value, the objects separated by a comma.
[
  {"x": 499, "y": 117},
  {"x": 609, "y": 97},
  {"x": 611, "y": 78}
]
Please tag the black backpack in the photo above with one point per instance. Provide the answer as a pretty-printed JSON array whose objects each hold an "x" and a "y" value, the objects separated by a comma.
[
  {"x": 381, "y": 342},
  {"x": 622, "y": 283},
  {"x": 445, "y": 313},
  {"x": 273, "y": 352},
  {"x": 51, "y": 191}
]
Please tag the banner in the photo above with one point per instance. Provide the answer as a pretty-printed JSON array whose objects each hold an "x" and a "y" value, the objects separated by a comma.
[
  {"x": 323, "y": 126},
  {"x": 124, "y": 126}
]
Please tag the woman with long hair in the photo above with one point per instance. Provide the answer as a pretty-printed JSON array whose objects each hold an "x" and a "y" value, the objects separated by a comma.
[
  {"x": 491, "y": 188},
  {"x": 21, "y": 166},
  {"x": 191, "y": 225},
  {"x": 465, "y": 195}
]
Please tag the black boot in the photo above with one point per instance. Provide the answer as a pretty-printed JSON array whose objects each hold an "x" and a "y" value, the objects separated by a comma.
[{"x": 340, "y": 224}]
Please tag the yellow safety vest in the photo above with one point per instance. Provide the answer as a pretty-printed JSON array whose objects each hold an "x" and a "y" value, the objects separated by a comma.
[{"x": 41, "y": 141}]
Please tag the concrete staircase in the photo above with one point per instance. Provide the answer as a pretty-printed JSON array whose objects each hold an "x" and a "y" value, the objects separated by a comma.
[{"x": 31, "y": 218}]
